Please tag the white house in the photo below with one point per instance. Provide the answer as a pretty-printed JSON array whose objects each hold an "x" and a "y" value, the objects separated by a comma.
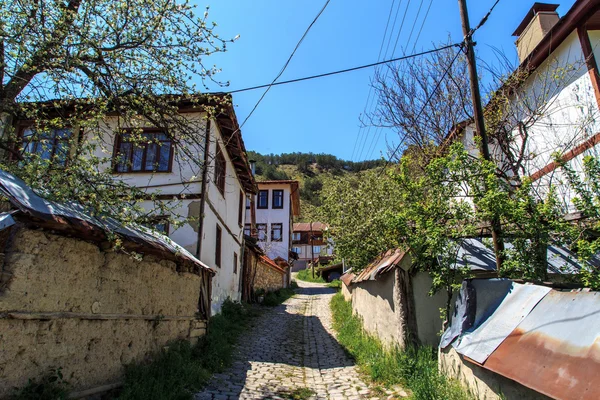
[
  {"x": 308, "y": 243},
  {"x": 275, "y": 205},
  {"x": 554, "y": 106},
  {"x": 210, "y": 199}
]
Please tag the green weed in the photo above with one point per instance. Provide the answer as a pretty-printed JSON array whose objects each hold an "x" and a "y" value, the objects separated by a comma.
[
  {"x": 306, "y": 276},
  {"x": 413, "y": 368},
  {"x": 52, "y": 386},
  {"x": 183, "y": 369}
]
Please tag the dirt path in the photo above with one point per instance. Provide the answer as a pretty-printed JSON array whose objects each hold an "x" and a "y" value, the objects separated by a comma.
[{"x": 290, "y": 352}]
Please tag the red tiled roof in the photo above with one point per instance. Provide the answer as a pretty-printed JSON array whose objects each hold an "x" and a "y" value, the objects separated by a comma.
[
  {"x": 267, "y": 261},
  {"x": 305, "y": 227}
]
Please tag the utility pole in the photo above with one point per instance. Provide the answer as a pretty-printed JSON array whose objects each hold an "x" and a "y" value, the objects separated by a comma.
[
  {"x": 312, "y": 251},
  {"x": 479, "y": 122}
]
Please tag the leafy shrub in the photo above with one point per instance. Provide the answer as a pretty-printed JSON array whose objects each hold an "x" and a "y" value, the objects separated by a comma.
[
  {"x": 306, "y": 276},
  {"x": 50, "y": 387},
  {"x": 416, "y": 367}
]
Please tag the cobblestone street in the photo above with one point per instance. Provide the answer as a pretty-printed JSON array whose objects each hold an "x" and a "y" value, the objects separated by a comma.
[{"x": 290, "y": 352}]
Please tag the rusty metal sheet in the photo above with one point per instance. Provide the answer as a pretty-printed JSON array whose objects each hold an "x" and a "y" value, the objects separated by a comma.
[
  {"x": 556, "y": 349},
  {"x": 381, "y": 265},
  {"x": 76, "y": 217},
  {"x": 487, "y": 336}
]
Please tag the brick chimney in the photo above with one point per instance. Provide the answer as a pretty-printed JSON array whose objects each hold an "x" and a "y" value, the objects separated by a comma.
[{"x": 536, "y": 24}]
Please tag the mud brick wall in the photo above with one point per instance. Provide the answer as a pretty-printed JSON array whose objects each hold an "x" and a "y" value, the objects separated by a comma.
[
  {"x": 268, "y": 278},
  {"x": 66, "y": 303}
]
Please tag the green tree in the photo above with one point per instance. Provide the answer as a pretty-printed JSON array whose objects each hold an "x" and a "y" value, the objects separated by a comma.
[
  {"x": 77, "y": 63},
  {"x": 359, "y": 210}
]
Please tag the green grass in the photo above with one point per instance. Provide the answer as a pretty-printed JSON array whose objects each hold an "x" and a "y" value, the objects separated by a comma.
[
  {"x": 414, "y": 368},
  {"x": 336, "y": 284},
  {"x": 306, "y": 276},
  {"x": 182, "y": 370}
]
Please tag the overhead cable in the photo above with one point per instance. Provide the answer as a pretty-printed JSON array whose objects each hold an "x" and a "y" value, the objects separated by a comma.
[{"x": 342, "y": 71}]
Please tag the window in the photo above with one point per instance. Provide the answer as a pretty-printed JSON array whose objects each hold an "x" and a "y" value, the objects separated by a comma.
[
  {"x": 247, "y": 230},
  {"x": 235, "y": 263},
  {"x": 317, "y": 249},
  {"x": 50, "y": 145},
  {"x": 297, "y": 250},
  {"x": 277, "y": 198},
  {"x": 276, "y": 232},
  {"x": 159, "y": 224},
  {"x": 262, "y": 232},
  {"x": 263, "y": 199},
  {"x": 220, "y": 170},
  {"x": 218, "y": 247},
  {"x": 296, "y": 236},
  {"x": 248, "y": 203},
  {"x": 241, "y": 208},
  {"x": 150, "y": 151}
]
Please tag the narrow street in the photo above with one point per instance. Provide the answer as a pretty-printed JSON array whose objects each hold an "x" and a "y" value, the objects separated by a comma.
[{"x": 290, "y": 352}]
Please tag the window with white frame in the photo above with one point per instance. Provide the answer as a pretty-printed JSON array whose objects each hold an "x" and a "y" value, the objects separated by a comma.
[
  {"x": 296, "y": 236},
  {"x": 297, "y": 250},
  {"x": 317, "y": 249}
]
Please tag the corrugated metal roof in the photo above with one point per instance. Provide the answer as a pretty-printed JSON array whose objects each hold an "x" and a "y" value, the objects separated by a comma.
[
  {"x": 477, "y": 256},
  {"x": 383, "y": 264},
  {"x": 518, "y": 301},
  {"x": 556, "y": 349},
  {"x": 74, "y": 218}
]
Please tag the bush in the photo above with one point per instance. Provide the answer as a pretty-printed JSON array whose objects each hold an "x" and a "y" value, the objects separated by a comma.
[
  {"x": 306, "y": 276},
  {"x": 49, "y": 387},
  {"x": 415, "y": 368}
]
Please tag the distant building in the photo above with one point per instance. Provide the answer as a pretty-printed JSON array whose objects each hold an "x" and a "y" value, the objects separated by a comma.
[
  {"x": 274, "y": 206},
  {"x": 308, "y": 243}
]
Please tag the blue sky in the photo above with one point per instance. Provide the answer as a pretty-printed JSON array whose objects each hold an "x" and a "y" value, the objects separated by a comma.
[{"x": 322, "y": 115}]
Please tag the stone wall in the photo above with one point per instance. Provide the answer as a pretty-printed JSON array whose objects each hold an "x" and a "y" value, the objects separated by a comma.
[
  {"x": 66, "y": 303},
  {"x": 268, "y": 278}
]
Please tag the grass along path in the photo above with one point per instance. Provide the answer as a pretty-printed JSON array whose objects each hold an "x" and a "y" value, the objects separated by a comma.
[
  {"x": 415, "y": 368},
  {"x": 306, "y": 276}
]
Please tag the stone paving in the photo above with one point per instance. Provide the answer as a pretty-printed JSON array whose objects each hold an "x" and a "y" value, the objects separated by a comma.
[{"x": 291, "y": 353}]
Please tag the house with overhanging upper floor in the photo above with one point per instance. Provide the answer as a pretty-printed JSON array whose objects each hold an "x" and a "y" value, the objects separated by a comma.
[{"x": 197, "y": 163}]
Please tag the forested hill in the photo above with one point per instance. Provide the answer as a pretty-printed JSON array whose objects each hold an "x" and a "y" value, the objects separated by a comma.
[{"x": 311, "y": 170}]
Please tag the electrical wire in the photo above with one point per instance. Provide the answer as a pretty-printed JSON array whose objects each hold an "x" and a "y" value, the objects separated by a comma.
[
  {"x": 342, "y": 71},
  {"x": 427, "y": 101},
  {"x": 378, "y": 59},
  {"x": 286, "y": 63}
]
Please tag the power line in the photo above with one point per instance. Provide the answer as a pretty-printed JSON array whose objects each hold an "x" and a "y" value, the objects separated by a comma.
[
  {"x": 286, "y": 63},
  {"x": 437, "y": 86},
  {"x": 422, "y": 25},
  {"x": 378, "y": 59},
  {"x": 342, "y": 71},
  {"x": 470, "y": 34}
]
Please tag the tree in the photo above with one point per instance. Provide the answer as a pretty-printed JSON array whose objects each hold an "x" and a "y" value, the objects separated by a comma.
[
  {"x": 102, "y": 65},
  {"x": 359, "y": 210},
  {"x": 422, "y": 99}
]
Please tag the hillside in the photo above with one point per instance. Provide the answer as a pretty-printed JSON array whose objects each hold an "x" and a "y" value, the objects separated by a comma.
[{"x": 311, "y": 170}]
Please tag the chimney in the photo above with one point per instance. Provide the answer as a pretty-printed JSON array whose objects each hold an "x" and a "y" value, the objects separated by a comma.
[
  {"x": 537, "y": 23},
  {"x": 253, "y": 167}
]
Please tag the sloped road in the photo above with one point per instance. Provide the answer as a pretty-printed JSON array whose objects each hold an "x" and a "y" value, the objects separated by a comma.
[{"x": 291, "y": 353}]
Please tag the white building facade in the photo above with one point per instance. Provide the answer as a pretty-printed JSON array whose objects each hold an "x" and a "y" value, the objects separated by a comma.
[
  {"x": 275, "y": 205},
  {"x": 555, "y": 109},
  {"x": 206, "y": 191}
]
